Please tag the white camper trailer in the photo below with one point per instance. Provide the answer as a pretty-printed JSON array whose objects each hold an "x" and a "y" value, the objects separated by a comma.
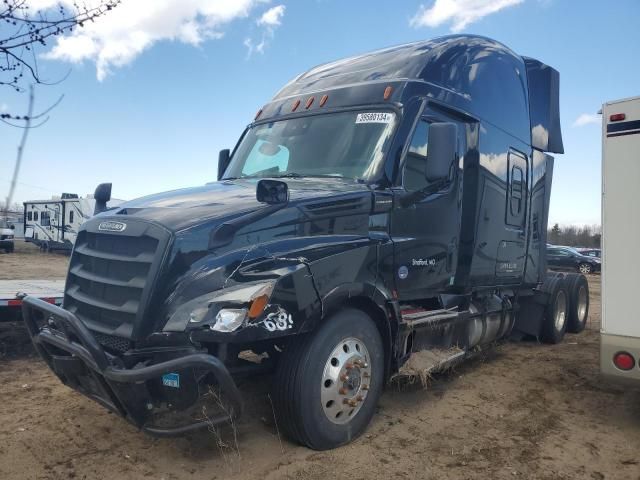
[
  {"x": 620, "y": 339},
  {"x": 53, "y": 224}
]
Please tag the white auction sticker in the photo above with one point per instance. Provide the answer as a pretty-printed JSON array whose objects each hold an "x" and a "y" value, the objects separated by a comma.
[{"x": 374, "y": 117}]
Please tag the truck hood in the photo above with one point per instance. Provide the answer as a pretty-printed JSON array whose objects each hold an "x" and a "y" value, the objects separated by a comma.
[{"x": 180, "y": 209}]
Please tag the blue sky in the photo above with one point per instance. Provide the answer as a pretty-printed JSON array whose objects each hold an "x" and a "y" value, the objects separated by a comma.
[{"x": 149, "y": 111}]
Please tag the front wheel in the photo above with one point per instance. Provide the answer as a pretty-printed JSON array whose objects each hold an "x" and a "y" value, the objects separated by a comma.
[
  {"x": 326, "y": 387},
  {"x": 584, "y": 268}
]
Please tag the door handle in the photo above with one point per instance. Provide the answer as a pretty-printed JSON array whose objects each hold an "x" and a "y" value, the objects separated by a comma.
[{"x": 450, "y": 251}]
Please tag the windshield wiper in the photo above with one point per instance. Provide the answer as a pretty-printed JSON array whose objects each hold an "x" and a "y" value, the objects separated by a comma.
[
  {"x": 318, "y": 175},
  {"x": 290, "y": 175}
]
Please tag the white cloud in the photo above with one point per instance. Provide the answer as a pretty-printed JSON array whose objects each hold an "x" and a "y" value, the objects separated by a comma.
[
  {"x": 4, "y": 107},
  {"x": 269, "y": 21},
  {"x": 586, "y": 119},
  {"x": 118, "y": 37},
  {"x": 272, "y": 16},
  {"x": 460, "y": 13}
]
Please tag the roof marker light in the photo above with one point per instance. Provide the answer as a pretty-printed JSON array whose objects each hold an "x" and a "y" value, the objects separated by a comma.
[
  {"x": 616, "y": 117},
  {"x": 387, "y": 92},
  {"x": 296, "y": 104},
  {"x": 309, "y": 102},
  {"x": 258, "y": 113},
  {"x": 323, "y": 100}
]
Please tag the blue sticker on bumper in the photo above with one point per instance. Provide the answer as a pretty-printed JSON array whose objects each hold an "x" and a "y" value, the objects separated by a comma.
[{"x": 171, "y": 380}]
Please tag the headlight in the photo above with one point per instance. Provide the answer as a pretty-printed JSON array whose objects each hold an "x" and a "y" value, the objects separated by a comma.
[
  {"x": 229, "y": 319},
  {"x": 224, "y": 310}
]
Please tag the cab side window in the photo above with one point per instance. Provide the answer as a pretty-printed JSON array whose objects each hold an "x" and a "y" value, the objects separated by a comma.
[
  {"x": 416, "y": 160},
  {"x": 70, "y": 216}
]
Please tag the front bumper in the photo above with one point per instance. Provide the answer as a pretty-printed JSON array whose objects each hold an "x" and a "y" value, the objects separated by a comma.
[
  {"x": 6, "y": 243},
  {"x": 75, "y": 356}
]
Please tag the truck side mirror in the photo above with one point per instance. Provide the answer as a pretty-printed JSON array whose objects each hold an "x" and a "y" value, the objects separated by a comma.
[
  {"x": 272, "y": 191},
  {"x": 441, "y": 152},
  {"x": 223, "y": 162},
  {"x": 12, "y": 226},
  {"x": 101, "y": 195}
]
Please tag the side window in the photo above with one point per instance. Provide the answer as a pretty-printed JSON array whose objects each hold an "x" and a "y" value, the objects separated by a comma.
[
  {"x": 29, "y": 216},
  {"x": 517, "y": 184},
  {"x": 266, "y": 159},
  {"x": 70, "y": 216},
  {"x": 35, "y": 216},
  {"x": 516, "y": 190},
  {"x": 416, "y": 160},
  {"x": 44, "y": 219}
]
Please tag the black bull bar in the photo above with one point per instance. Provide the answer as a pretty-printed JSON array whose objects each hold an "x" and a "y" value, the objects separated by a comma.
[{"x": 82, "y": 364}]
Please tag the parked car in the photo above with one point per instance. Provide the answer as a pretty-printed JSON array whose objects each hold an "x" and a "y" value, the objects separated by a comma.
[
  {"x": 590, "y": 252},
  {"x": 6, "y": 236},
  {"x": 567, "y": 258}
]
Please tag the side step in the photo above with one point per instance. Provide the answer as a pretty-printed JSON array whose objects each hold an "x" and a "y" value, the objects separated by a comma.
[{"x": 413, "y": 317}]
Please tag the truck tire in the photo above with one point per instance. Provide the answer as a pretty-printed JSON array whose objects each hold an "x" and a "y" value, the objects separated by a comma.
[
  {"x": 554, "y": 322},
  {"x": 578, "y": 290},
  {"x": 319, "y": 399}
]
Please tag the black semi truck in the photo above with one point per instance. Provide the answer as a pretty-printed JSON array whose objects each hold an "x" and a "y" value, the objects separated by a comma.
[{"x": 377, "y": 207}]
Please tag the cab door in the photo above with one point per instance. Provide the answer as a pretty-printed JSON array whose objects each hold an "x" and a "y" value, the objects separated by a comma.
[
  {"x": 424, "y": 222},
  {"x": 511, "y": 254}
]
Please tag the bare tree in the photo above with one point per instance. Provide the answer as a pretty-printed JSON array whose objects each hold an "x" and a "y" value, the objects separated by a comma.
[{"x": 23, "y": 31}]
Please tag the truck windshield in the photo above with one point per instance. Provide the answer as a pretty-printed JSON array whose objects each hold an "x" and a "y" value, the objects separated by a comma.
[{"x": 345, "y": 144}]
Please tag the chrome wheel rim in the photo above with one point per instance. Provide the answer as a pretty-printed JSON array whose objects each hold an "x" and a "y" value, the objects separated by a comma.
[
  {"x": 560, "y": 315},
  {"x": 585, "y": 269},
  {"x": 582, "y": 304},
  {"x": 345, "y": 380}
]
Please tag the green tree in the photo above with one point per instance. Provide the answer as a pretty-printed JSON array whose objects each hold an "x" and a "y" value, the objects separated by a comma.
[{"x": 555, "y": 234}]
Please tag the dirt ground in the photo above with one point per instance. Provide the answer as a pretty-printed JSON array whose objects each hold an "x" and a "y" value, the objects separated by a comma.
[
  {"x": 525, "y": 411},
  {"x": 27, "y": 262}
]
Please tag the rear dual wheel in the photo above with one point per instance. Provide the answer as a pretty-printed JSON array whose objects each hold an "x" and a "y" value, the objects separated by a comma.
[
  {"x": 327, "y": 386},
  {"x": 567, "y": 308},
  {"x": 555, "y": 316},
  {"x": 578, "y": 291}
]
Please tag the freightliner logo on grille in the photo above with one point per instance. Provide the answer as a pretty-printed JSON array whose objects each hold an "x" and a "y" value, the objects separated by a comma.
[{"x": 112, "y": 226}]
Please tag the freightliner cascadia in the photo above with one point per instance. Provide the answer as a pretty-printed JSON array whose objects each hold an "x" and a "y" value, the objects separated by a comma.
[{"x": 378, "y": 207}]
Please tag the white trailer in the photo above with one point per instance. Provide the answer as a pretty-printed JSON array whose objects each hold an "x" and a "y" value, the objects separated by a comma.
[
  {"x": 620, "y": 334},
  {"x": 53, "y": 224}
]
